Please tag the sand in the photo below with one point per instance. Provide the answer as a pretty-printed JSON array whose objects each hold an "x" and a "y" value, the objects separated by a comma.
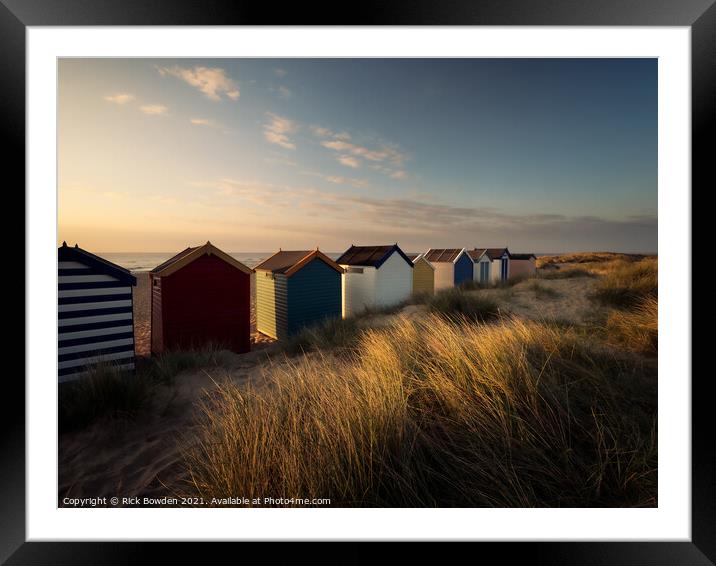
[
  {"x": 142, "y": 457},
  {"x": 571, "y": 303}
]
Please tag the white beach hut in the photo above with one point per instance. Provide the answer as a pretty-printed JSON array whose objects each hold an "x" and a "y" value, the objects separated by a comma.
[
  {"x": 375, "y": 276},
  {"x": 499, "y": 263}
]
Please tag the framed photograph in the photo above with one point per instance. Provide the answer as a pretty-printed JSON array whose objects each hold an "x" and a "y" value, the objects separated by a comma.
[{"x": 392, "y": 279}]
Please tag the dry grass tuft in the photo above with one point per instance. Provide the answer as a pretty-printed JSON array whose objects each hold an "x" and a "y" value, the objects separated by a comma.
[
  {"x": 587, "y": 257},
  {"x": 626, "y": 284},
  {"x": 438, "y": 412},
  {"x": 638, "y": 328},
  {"x": 164, "y": 367},
  {"x": 455, "y": 302},
  {"x": 104, "y": 391}
]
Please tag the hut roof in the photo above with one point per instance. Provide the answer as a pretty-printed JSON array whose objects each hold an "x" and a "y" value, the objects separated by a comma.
[
  {"x": 418, "y": 257},
  {"x": 522, "y": 256},
  {"x": 67, "y": 253},
  {"x": 443, "y": 255},
  {"x": 493, "y": 253},
  {"x": 476, "y": 255},
  {"x": 372, "y": 256},
  {"x": 185, "y": 257},
  {"x": 289, "y": 262}
]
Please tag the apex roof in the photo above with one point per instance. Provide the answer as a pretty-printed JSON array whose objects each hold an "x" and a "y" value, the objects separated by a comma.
[
  {"x": 494, "y": 253},
  {"x": 373, "y": 256},
  {"x": 76, "y": 253},
  {"x": 185, "y": 257},
  {"x": 289, "y": 262},
  {"x": 443, "y": 255}
]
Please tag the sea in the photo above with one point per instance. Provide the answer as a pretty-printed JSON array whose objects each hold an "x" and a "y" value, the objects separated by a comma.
[{"x": 147, "y": 261}]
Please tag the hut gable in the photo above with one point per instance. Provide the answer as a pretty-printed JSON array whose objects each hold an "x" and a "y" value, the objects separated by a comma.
[
  {"x": 67, "y": 255},
  {"x": 494, "y": 253},
  {"x": 370, "y": 256},
  {"x": 290, "y": 262},
  {"x": 189, "y": 255},
  {"x": 477, "y": 255},
  {"x": 443, "y": 255},
  {"x": 95, "y": 320}
]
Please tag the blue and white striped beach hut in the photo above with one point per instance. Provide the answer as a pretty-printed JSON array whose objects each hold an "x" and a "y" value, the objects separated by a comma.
[{"x": 95, "y": 321}]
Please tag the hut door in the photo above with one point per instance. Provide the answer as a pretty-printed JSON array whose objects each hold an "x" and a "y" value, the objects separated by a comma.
[{"x": 484, "y": 272}]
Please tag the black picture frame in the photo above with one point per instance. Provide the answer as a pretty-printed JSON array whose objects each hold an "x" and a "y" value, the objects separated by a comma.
[{"x": 699, "y": 15}]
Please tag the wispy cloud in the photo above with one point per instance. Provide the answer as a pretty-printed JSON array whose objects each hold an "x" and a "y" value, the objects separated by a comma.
[
  {"x": 120, "y": 98},
  {"x": 338, "y": 179},
  {"x": 282, "y": 92},
  {"x": 154, "y": 109},
  {"x": 389, "y": 159},
  {"x": 349, "y": 161},
  {"x": 280, "y": 72},
  {"x": 421, "y": 223},
  {"x": 280, "y": 160},
  {"x": 212, "y": 81},
  {"x": 277, "y": 130},
  {"x": 207, "y": 123}
]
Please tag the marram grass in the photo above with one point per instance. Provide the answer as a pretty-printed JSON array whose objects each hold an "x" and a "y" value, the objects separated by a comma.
[{"x": 438, "y": 412}]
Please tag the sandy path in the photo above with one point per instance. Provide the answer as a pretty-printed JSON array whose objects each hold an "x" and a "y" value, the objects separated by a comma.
[{"x": 570, "y": 303}]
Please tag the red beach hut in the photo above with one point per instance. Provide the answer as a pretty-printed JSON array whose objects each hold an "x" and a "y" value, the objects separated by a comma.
[{"x": 201, "y": 296}]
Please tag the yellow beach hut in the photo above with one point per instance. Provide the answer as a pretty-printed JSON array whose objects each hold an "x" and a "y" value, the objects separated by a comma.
[{"x": 423, "y": 275}]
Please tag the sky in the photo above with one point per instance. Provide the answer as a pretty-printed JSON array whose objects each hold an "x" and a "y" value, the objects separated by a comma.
[{"x": 541, "y": 155}]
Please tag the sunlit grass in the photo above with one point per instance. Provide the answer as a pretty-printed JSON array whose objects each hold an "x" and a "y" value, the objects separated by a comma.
[
  {"x": 637, "y": 328},
  {"x": 438, "y": 412},
  {"x": 626, "y": 284}
]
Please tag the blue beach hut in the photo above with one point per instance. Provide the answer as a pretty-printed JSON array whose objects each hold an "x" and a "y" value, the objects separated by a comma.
[{"x": 295, "y": 289}]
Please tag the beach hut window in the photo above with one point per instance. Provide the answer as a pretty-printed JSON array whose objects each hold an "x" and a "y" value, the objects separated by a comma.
[{"x": 355, "y": 270}]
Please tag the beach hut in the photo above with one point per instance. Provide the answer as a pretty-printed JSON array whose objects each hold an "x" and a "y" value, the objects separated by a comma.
[
  {"x": 374, "y": 276},
  {"x": 95, "y": 321},
  {"x": 499, "y": 263},
  {"x": 201, "y": 296},
  {"x": 295, "y": 289},
  {"x": 481, "y": 265},
  {"x": 453, "y": 266},
  {"x": 523, "y": 265},
  {"x": 423, "y": 275}
]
